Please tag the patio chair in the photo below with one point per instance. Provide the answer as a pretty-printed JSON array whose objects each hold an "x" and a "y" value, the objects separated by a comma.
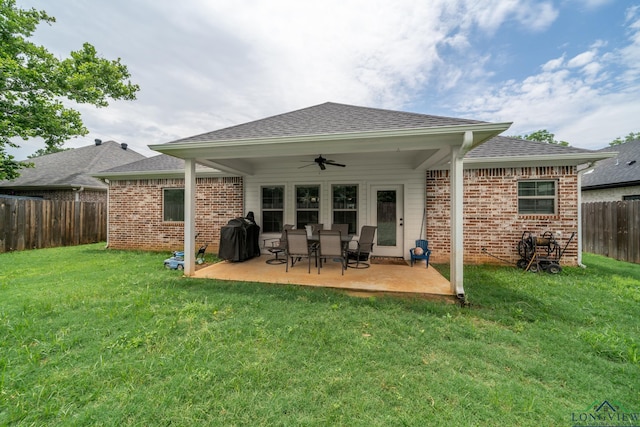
[
  {"x": 316, "y": 227},
  {"x": 297, "y": 247},
  {"x": 426, "y": 252},
  {"x": 278, "y": 246},
  {"x": 331, "y": 247},
  {"x": 342, "y": 228},
  {"x": 359, "y": 256}
]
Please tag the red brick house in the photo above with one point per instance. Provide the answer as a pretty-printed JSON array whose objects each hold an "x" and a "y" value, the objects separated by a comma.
[
  {"x": 68, "y": 175},
  {"x": 456, "y": 181}
]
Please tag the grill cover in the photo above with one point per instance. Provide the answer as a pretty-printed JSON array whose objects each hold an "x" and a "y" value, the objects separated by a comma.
[{"x": 239, "y": 240}]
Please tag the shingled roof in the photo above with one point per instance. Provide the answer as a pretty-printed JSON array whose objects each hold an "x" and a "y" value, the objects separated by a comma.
[
  {"x": 73, "y": 168},
  {"x": 620, "y": 171},
  {"x": 157, "y": 165},
  {"x": 504, "y": 146},
  {"x": 326, "y": 119}
]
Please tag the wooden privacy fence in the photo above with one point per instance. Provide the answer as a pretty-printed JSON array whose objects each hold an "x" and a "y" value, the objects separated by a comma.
[
  {"x": 612, "y": 229},
  {"x": 34, "y": 224}
]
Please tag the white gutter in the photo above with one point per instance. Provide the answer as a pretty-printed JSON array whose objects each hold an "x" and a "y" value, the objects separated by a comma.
[
  {"x": 158, "y": 174},
  {"x": 393, "y": 133},
  {"x": 557, "y": 159}
]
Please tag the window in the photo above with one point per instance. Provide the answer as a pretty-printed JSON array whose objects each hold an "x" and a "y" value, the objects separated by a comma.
[
  {"x": 345, "y": 206},
  {"x": 173, "y": 201},
  {"x": 307, "y": 205},
  {"x": 537, "y": 197},
  {"x": 633, "y": 197},
  {"x": 272, "y": 209}
]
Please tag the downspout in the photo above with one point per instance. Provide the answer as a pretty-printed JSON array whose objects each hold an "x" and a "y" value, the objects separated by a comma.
[
  {"x": 77, "y": 193},
  {"x": 108, "y": 211},
  {"x": 580, "y": 173},
  {"x": 457, "y": 215}
]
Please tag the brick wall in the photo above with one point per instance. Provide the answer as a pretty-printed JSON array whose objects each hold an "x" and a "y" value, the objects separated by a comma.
[
  {"x": 135, "y": 213},
  {"x": 491, "y": 219}
]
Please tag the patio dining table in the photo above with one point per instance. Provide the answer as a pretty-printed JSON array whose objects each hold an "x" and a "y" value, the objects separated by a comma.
[{"x": 315, "y": 238}]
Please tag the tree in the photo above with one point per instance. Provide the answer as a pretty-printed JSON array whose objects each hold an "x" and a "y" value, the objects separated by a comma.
[
  {"x": 630, "y": 137},
  {"x": 543, "y": 135},
  {"x": 34, "y": 85},
  {"x": 47, "y": 150}
]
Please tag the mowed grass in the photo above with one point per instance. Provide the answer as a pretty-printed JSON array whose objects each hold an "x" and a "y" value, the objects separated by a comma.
[{"x": 90, "y": 336}]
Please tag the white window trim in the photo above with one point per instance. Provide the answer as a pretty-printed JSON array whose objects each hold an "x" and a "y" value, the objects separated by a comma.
[{"x": 554, "y": 197}]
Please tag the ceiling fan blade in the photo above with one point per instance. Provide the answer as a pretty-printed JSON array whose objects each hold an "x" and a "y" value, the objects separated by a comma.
[
  {"x": 331, "y": 162},
  {"x": 310, "y": 164},
  {"x": 322, "y": 166}
]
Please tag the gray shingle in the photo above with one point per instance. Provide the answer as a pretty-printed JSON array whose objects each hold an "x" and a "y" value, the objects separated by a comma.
[
  {"x": 151, "y": 164},
  {"x": 73, "y": 168},
  {"x": 328, "y": 118},
  {"x": 158, "y": 163},
  {"x": 504, "y": 146},
  {"x": 617, "y": 171}
]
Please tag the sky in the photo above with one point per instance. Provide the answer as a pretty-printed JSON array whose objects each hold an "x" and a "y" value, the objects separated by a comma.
[{"x": 569, "y": 66}]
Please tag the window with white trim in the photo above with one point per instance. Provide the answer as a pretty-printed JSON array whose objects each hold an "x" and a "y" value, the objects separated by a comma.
[
  {"x": 272, "y": 202},
  {"x": 307, "y": 205},
  {"x": 537, "y": 197},
  {"x": 173, "y": 204},
  {"x": 344, "y": 206}
]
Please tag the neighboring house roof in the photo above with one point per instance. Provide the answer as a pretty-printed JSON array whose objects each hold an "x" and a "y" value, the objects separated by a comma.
[
  {"x": 328, "y": 118},
  {"x": 161, "y": 165},
  {"x": 619, "y": 171},
  {"x": 72, "y": 168}
]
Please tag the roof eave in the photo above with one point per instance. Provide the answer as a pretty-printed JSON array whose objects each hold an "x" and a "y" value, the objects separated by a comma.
[
  {"x": 238, "y": 147},
  {"x": 568, "y": 159},
  {"x": 611, "y": 185},
  {"x": 53, "y": 187},
  {"x": 119, "y": 176}
]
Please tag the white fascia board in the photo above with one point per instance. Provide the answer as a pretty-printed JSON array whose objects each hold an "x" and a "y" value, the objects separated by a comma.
[
  {"x": 118, "y": 176},
  {"x": 238, "y": 148},
  {"x": 569, "y": 159},
  {"x": 54, "y": 187}
]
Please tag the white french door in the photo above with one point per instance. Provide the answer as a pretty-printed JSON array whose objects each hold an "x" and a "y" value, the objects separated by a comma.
[{"x": 387, "y": 213}]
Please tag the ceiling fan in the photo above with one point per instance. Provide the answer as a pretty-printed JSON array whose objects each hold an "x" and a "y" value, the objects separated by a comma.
[{"x": 321, "y": 161}]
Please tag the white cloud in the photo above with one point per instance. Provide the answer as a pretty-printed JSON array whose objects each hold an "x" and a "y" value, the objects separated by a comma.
[
  {"x": 587, "y": 100},
  {"x": 203, "y": 65},
  {"x": 553, "y": 64},
  {"x": 581, "y": 60}
]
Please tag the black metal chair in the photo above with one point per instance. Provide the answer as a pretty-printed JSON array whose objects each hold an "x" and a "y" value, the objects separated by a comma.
[
  {"x": 359, "y": 256},
  {"x": 278, "y": 246}
]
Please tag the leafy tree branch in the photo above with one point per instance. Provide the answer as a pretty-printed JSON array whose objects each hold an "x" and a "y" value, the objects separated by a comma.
[{"x": 34, "y": 86}]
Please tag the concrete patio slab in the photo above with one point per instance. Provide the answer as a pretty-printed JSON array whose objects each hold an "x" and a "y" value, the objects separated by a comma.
[{"x": 378, "y": 278}]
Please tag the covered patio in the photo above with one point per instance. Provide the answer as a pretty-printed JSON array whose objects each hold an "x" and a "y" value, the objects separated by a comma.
[
  {"x": 380, "y": 151},
  {"x": 387, "y": 278}
]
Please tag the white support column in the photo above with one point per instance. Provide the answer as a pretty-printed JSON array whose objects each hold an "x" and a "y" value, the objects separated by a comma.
[
  {"x": 457, "y": 251},
  {"x": 456, "y": 181},
  {"x": 189, "y": 217}
]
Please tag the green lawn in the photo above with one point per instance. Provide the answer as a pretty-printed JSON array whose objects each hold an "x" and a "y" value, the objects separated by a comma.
[{"x": 90, "y": 336}]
